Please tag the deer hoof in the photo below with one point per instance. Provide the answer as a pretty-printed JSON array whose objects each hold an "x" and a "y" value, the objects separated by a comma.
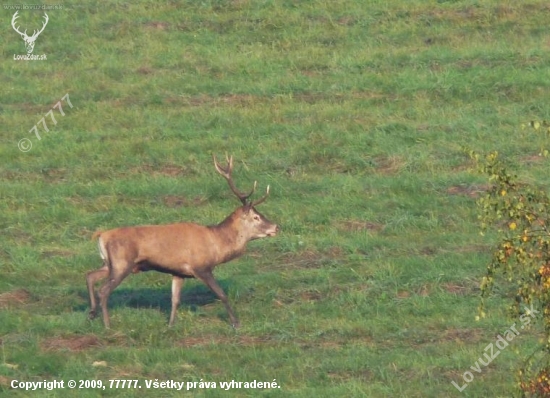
[{"x": 91, "y": 314}]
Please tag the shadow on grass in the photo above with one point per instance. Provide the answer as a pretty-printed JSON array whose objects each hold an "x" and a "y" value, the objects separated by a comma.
[{"x": 159, "y": 297}]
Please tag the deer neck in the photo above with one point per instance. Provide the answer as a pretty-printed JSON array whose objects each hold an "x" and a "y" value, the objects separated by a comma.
[{"x": 231, "y": 240}]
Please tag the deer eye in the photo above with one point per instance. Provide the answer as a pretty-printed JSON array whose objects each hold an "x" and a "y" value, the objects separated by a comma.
[{"x": 256, "y": 218}]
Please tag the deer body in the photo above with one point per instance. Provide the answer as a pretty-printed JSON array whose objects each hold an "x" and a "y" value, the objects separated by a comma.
[{"x": 183, "y": 250}]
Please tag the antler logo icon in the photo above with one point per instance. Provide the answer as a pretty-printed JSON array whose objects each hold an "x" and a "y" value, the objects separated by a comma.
[{"x": 29, "y": 40}]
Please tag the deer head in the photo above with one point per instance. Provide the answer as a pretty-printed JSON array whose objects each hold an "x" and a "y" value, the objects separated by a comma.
[
  {"x": 29, "y": 40},
  {"x": 254, "y": 225}
]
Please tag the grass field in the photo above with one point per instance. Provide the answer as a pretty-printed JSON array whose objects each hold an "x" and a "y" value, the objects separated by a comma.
[{"x": 355, "y": 112}]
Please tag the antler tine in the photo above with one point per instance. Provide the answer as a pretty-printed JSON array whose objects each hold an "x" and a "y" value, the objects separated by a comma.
[
  {"x": 44, "y": 25},
  {"x": 262, "y": 199},
  {"x": 226, "y": 173},
  {"x": 13, "y": 20}
]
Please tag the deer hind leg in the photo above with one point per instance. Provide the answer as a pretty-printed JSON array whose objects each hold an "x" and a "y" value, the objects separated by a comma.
[
  {"x": 94, "y": 276},
  {"x": 118, "y": 272},
  {"x": 91, "y": 278},
  {"x": 177, "y": 283},
  {"x": 208, "y": 278}
]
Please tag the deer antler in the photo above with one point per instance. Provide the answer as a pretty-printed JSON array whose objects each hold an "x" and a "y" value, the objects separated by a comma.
[
  {"x": 35, "y": 34},
  {"x": 15, "y": 16},
  {"x": 261, "y": 200},
  {"x": 226, "y": 173},
  {"x": 43, "y": 26}
]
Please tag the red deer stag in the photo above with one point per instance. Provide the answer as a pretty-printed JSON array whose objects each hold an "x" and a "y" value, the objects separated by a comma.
[{"x": 183, "y": 250}]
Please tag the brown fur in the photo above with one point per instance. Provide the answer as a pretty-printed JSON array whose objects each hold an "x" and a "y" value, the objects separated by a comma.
[{"x": 183, "y": 250}]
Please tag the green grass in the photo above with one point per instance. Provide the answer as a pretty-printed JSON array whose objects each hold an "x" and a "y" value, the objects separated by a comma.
[{"x": 355, "y": 112}]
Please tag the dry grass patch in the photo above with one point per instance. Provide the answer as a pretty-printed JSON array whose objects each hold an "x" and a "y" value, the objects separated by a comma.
[
  {"x": 533, "y": 159},
  {"x": 57, "y": 253},
  {"x": 5, "y": 381},
  {"x": 144, "y": 70},
  {"x": 55, "y": 175},
  {"x": 225, "y": 340},
  {"x": 157, "y": 25},
  {"x": 474, "y": 248},
  {"x": 388, "y": 165},
  {"x": 308, "y": 259},
  {"x": 15, "y": 297},
  {"x": 359, "y": 225},
  {"x": 342, "y": 376},
  {"x": 70, "y": 343},
  {"x": 459, "y": 289},
  {"x": 166, "y": 170},
  {"x": 469, "y": 336},
  {"x": 472, "y": 191}
]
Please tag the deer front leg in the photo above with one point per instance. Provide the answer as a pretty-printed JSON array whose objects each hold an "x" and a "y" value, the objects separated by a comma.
[
  {"x": 208, "y": 279},
  {"x": 177, "y": 283}
]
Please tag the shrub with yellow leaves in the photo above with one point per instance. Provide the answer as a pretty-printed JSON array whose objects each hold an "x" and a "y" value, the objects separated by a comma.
[{"x": 520, "y": 213}]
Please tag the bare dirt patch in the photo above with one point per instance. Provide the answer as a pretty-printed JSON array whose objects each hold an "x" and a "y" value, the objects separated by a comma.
[
  {"x": 242, "y": 100},
  {"x": 55, "y": 175},
  {"x": 460, "y": 288},
  {"x": 428, "y": 251},
  {"x": 57, "y": 253},
  {"x": 388, "y": 165},
  {"x": 472, "y": 191},
  {"x": 474, "y": 248},
  {"x": 502, "y": 13},
  {"x": 533, "y": 159},
  {"x": 311, "y": 295},
  {"x": 455, "y": 335},
  {"x": 15, "y": 297},
  {"x": 403, "y": 294},
  {"x": 169, "y": 170},
  {"x": 363, "y": 375},
  {"x": 359, "y": 225},
  {"x": 5, "y": 381},
  {"x": 217, "y": 340},
  {"x": 70, "y": 343},
  {"x": 158, "y": 25},
  {"x": 463, "y": 335},
  {"x": 308, "y": 259},
  {"x": 144, "y": 70},
  {"x": 424, "y": 291}
]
